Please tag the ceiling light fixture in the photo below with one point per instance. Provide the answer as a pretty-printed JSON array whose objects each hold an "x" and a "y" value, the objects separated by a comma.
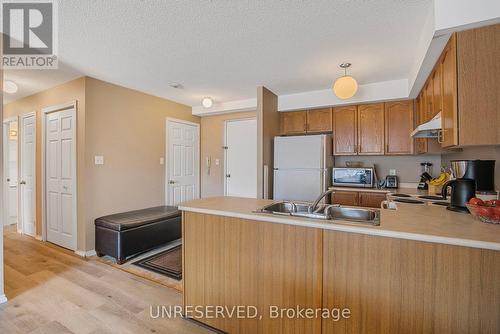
[
  {"x": 207, "y": 102},
  {"x": 9, "y": 87},
  {"x": 346, "y": 86}
]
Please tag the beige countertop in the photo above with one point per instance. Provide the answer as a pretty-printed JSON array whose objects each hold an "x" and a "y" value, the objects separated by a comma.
[{"x": 415, "y": 222}]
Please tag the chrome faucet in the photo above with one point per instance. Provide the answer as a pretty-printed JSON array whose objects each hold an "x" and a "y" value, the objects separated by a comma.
[{"x": 314, "y": 206}]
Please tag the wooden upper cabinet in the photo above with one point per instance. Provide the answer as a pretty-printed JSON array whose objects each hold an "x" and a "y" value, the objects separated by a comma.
[
  {"x": 478, "y": 56},
  {"x": 428, "y": 108},
  {"x": 371, "y": 137},
  {"x": 449, "y": 112},
  {"x": 398, "y": 127},
  {"x": 345, "y": 130},
  {"x": 436, "y": 92},
  {"x": 319, "y": 120},
  {"x": 293, "y": 122}
]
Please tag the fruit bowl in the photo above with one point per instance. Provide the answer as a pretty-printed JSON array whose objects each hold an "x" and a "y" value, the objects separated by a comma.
[{"x": 486, "y": 214}]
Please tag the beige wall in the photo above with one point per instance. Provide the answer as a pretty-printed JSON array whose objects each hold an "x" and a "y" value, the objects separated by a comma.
[
  {"x": 212, "y": 141},
  {"x": 70, "y": 91},
  {"x": 128, "y": 128}
]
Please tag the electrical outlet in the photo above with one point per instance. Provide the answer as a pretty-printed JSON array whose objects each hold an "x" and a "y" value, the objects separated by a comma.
[
  {"x": 162, "y": 161},
  {"x": 99, "y": 160},
  {"x": 392, "y": 172}
]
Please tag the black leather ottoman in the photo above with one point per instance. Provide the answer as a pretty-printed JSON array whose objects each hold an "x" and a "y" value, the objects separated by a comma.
[{"x": 124, "y": 234}]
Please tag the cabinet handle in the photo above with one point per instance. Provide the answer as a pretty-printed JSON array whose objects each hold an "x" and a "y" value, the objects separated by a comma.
[{"x": 440, "y": 136}]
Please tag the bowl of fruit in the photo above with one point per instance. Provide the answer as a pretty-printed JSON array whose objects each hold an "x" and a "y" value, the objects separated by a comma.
[{"x": 485, "y": 211}]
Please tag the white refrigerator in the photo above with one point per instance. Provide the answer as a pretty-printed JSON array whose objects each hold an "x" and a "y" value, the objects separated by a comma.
[{"x": 302, "y": 167}]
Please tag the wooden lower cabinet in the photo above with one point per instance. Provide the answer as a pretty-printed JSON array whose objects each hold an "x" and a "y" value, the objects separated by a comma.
[
  {"x": 405, "y": 286},
  {"x": 231, "y": 261},
  {"x": 389, "y": 285},
  {"x": 345, "y": 198},
  {"x": 371, "y": 199}
]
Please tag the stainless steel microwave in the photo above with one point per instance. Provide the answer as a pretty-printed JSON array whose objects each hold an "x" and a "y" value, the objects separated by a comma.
[{"x": 353, "y": 177}]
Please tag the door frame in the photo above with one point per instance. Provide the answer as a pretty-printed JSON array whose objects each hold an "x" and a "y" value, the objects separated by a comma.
[
  {"x": 45, "y": 111},
  {"x": 5, "y": 190},
  {"x": 197, "y": 125},
  {"x": 226, "y": 122},
  {"x": 20, "y": 166}
]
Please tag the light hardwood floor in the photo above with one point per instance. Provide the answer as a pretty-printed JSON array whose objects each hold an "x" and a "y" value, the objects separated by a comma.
[{"x": 51, "y": 290}]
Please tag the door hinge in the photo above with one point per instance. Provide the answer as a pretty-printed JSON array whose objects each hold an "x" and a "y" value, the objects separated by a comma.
[
  {"x": 228, "y": 175},
  {"x": 225, "y": 147}
]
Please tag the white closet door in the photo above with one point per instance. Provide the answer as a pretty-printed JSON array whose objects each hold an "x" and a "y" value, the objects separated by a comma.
[
  {"x": 183, "y": 162},
  {"x": 241, "y": 155},
  {"x": 27, "y": 183},
  {"x": 60, "y": 174}
]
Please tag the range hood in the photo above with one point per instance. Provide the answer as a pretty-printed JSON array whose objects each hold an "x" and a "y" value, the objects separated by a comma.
[{"x": 429, "y": 129}]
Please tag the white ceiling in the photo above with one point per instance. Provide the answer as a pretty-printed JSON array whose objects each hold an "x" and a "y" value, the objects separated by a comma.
[{"x": 225, "y": 49}]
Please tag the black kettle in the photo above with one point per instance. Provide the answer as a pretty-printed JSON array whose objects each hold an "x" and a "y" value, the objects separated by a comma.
[{"x": 462, "y": 190}]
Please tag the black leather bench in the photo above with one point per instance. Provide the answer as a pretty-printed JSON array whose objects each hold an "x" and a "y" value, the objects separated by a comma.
[{"x": 129, "y": 233}]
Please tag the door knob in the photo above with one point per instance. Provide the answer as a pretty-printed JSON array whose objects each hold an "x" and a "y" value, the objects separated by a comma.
[
  {"x": 8, "y": 180},
  {"x": 171, "y": 182},
  {"x": 22, "y": 182}
]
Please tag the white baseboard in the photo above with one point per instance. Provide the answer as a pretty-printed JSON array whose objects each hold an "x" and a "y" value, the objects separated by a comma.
[
  {"x": 85, "y": 253},
  {"x": 38, "y": 237},
  {"x": 3, "y": 299}
]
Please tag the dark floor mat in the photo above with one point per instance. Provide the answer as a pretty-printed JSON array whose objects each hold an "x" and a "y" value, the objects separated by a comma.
[{"x": 168, "y": 262}]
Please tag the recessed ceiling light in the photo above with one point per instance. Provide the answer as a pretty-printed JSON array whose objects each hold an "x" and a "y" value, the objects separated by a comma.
[
  {"x": 207, "y": 102},
  {"x": 346, "y": 86},
  {"x": 9, "y": 87}
]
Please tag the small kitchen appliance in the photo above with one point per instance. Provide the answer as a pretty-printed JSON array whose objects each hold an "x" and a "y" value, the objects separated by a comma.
[
  {"x": 425, "y": 175},
  {"x": 482, "y": 171},
  {"x": 353, "y": 177},
  {"x": 391, "y": 181},
  {"x": 462, "y": 190}
]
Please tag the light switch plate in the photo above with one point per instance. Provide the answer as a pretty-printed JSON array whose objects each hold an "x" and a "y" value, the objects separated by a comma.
[
  {"x": 99, "y": 160},
  {"x": 217, "y": 162},
  {"x": 162, "y": 161},
  {"x": 392, "y": 172}
]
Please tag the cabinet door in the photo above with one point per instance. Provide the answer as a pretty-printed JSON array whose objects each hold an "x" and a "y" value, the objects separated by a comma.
[
  {"x": 420, "y": 143},
  {"x": 371, "y": 129},
  {"x": 345, "y": 198},
  {"x": 370, "y": 199},
  {"x": 428, "y": 100},
  {"x": 345, "y": 130},
  {"x": 478, "y": 54},
  {"x": 319, "y": 120},
  {"x": 449, "y": 113},
  {"x": 293, "y": 122},
  {"x": 398, "y": 127},
  {"x": 436, "y": 92}
]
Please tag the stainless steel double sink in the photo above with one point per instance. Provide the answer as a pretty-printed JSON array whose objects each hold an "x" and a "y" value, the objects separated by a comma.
[{"x": 324, "y": 212}]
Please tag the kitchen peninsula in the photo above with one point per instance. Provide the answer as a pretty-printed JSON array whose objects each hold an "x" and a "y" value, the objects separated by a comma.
[{"x": 424, "y": 269}]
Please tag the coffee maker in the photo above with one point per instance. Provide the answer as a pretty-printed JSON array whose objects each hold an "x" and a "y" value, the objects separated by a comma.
[
  {"x": 481, "y": 171},
  {"x": 471, "y": 176}
]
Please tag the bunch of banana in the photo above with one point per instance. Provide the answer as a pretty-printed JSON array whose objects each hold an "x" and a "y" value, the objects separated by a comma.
[{"x": 440, "y": 180}]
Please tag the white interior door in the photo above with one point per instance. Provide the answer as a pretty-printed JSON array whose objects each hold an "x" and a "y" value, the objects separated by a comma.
[
  {"x": 60, "y": 177},
  {"x": 10, "y": 171},
  {"x": 183, "y": 162},
  {"x": 240, "y": 158},
  {"x": 27, "y": 177}
]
